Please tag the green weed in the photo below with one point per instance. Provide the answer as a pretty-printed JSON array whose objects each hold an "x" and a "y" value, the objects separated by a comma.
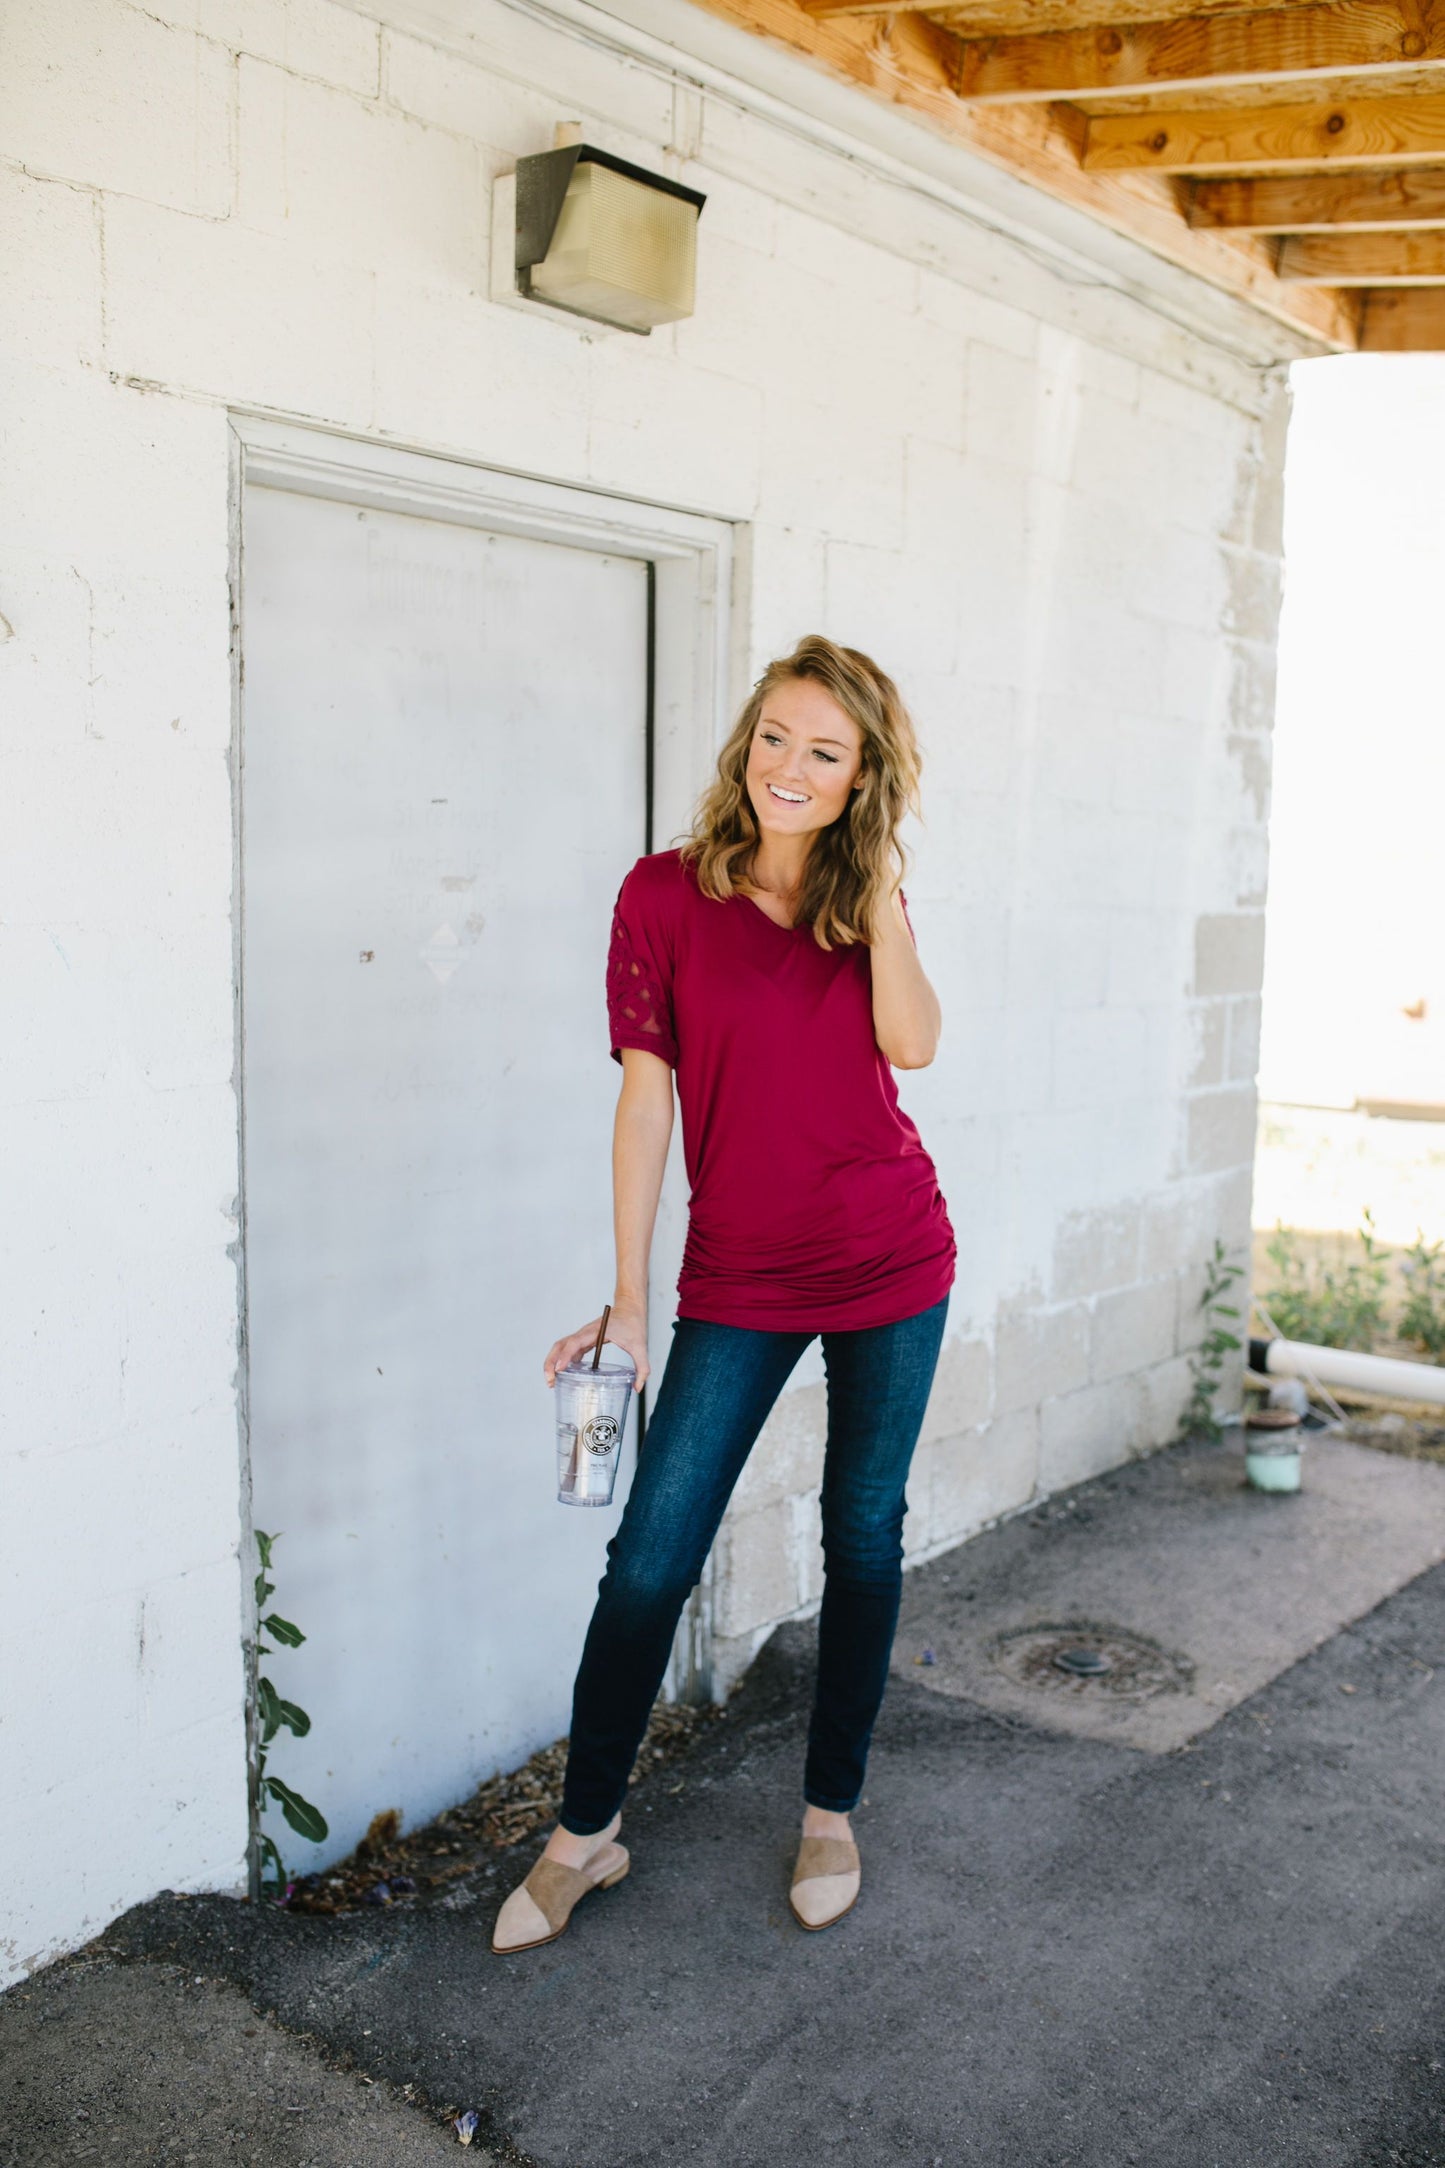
[
  {"x": 273, "y": 1714},
  {"x": 1206, "y": 1364}
]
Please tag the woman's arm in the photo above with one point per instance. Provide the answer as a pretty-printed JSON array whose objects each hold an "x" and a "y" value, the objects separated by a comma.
[
  {"x": 641, "y": 1133},
  {"x": 906, "y": 1016}
]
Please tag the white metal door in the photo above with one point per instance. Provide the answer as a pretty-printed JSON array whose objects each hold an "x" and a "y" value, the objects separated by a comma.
[{"x": 444, "y": 775}]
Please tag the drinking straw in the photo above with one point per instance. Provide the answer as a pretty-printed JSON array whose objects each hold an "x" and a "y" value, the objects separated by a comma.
[{"x": 601, "y": 1334}]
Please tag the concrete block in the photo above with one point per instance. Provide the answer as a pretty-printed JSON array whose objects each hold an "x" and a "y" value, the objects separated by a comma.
[
  {"x": 498, "y": 385},
  {"x": 682, "y": 437},
  {"x": 734, "y": 283},
  {"x": 1244, "y": 1029},
  {"x": 1181, "y": 1223},
  {"x": 1246, "y": 871},
  {"x": 189, "y": 1479},
  {"x": 846, "y": 263},
  {"x": 788, "y": 1456},
  {"x": 1132, "y": 1329},
  {"x": 1096, "y": 1250},
  {"x": 1088, "y": 1431},
  {"x": 238, "y": 314},
  {"x": 1252, "y": 595},
  {"x": 1220, "y": 1129},
  {"x": 160, "y": 666},
  {"x": 1165, "y": 1389},
  {"x": 983, "y": 1473},
  {"x": 1267, "y": 512},
  {"x": 1039, "y": 1355},
  {"x": 1253, "y": 765},
  {"x": 1146, "y": 764},
  {"x": 44, "y": 680},
  {"x": 107, "y": 97},
  {"x": 755, "y": 1579},
  {"x": 522, "y": 76},
  {"x": 805, "y": 1542},
  {"x": 92, "y": 459},
  {"x": 969, "y": 315},
  {"x": 1148, "y": 956},
  {"x": 1056, "y": 958},
  {"x": 1229, "y": 953},
  {"x": 1009, "y": 405},
  {"x": 1209, "y": 1030},
  {"x": 333, "y": 44},
  {"x": 1197, "y": 675},
  {"x": 888, "y": 599},
  {"x": 50, "y": 246},
  {"x": 1098, "y": 1054},
  {"x": 837, "y": 478},
  {"x": 784, "y": 574},
  {"x": 350, "y": 181},
  {"x": 962, "y": 1389},
  {"x": 1252, "y": 675}
]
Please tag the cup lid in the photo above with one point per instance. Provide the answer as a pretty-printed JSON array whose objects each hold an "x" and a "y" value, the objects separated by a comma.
[{"x": 615, "y": 1363}]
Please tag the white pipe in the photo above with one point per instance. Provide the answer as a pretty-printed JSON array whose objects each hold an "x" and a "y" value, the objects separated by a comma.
[{"x": 1385, "y": 1375}]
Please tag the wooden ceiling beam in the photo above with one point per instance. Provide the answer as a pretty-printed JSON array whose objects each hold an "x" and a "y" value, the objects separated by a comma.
[
  {"x": 1026, "y": 18},
  {"x": 1364, "y": 259},
  {"x": 1273, "y": 45},
  {"x": 909, "y": 62},
  {"x": 1321, "y": 202},
  {"x": 1257, "y": 138},
  {"x": 1404, "y": 323}
]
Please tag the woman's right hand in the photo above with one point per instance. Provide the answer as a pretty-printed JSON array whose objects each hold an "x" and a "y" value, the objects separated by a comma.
[{"x": 626, "y": 1328}]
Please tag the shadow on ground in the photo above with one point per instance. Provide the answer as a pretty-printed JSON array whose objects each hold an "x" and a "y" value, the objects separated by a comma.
[{"x": 1071, "y": 1952}]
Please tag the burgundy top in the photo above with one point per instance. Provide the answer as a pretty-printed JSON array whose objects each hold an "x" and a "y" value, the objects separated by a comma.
[{"x": 813, "y": 1205}]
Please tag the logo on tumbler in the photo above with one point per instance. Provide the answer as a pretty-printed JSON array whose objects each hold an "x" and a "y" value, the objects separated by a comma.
[{"x": 600, "y": 1435}]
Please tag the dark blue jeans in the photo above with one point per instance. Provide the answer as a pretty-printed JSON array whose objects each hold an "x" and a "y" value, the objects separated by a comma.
[{"x": 717, "y": 1390}]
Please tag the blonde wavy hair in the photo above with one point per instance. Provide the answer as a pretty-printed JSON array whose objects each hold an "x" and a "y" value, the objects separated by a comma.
[{"x": 853, "y": 864}]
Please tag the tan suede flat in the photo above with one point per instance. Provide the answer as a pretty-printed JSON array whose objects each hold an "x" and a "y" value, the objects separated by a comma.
[
  {"x": 550, "y": 1895},
  {"x": 826, "y": 1881}
]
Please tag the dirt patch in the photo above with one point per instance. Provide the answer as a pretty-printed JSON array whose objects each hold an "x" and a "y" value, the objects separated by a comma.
[
  {"x": 1396, "y": 1430},
  {"x": 389, "y": 1867}
]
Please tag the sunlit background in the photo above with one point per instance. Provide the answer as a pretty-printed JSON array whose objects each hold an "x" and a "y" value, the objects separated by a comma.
[{"x": 1352, "y": 1078}]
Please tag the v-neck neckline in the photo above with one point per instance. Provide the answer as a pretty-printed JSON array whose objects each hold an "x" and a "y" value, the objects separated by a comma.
[{"x": 753, "y": 904}]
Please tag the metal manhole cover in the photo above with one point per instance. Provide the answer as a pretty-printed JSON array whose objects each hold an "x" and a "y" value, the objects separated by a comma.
[{"x": 1081, "y": 1656}]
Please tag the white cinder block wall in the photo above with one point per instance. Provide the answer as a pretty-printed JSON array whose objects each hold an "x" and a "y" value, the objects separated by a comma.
[{"x": 1050, "y": 510}]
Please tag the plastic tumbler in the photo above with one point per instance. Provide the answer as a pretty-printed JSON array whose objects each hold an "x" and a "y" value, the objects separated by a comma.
[{"x": 591, "y": 1419}]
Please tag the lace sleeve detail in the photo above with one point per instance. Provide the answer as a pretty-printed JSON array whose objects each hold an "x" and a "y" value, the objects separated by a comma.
[{"x": 639, "y": 1004}]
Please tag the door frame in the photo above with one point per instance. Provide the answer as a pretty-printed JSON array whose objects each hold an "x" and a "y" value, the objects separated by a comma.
[{"x": 691, "y": 558}]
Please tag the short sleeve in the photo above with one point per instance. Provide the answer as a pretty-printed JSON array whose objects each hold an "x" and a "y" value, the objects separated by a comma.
[{"x": 639, "y": 977}]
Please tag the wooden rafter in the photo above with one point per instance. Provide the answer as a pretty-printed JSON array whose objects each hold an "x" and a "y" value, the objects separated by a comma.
[
  {"x": 1404, "y": 323},
  {"x": 1364, "y": 259},
  {"x": 1263, "y": 138},
  {"x": 1322, "y": 202},
  {"x": 1271, "y": 45},
  {"x": 1026, "y": 18},
  {"x": 1202, "y": 128}
]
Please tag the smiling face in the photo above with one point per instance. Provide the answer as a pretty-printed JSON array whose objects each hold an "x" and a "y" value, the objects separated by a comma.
[{"x": 804, "y": 762}]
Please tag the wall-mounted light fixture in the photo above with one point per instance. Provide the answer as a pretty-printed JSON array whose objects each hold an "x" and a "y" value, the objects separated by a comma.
[{"x": 577, "y": 229}]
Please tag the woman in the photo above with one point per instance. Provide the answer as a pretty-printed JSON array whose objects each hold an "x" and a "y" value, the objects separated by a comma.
[{"x": 770, "y": 963}]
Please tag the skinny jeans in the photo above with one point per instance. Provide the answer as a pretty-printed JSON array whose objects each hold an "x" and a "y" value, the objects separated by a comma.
[{"x": 717, "y": 1390}]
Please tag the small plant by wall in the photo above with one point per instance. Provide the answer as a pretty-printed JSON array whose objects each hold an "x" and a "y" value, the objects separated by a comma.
[
  {"x": 273, "y": 1714},
  {"x": 1201, "y": 1416}
]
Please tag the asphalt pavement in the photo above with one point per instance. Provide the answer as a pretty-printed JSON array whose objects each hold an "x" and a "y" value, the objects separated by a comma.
[{"x": 1071, "y": 1951}]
